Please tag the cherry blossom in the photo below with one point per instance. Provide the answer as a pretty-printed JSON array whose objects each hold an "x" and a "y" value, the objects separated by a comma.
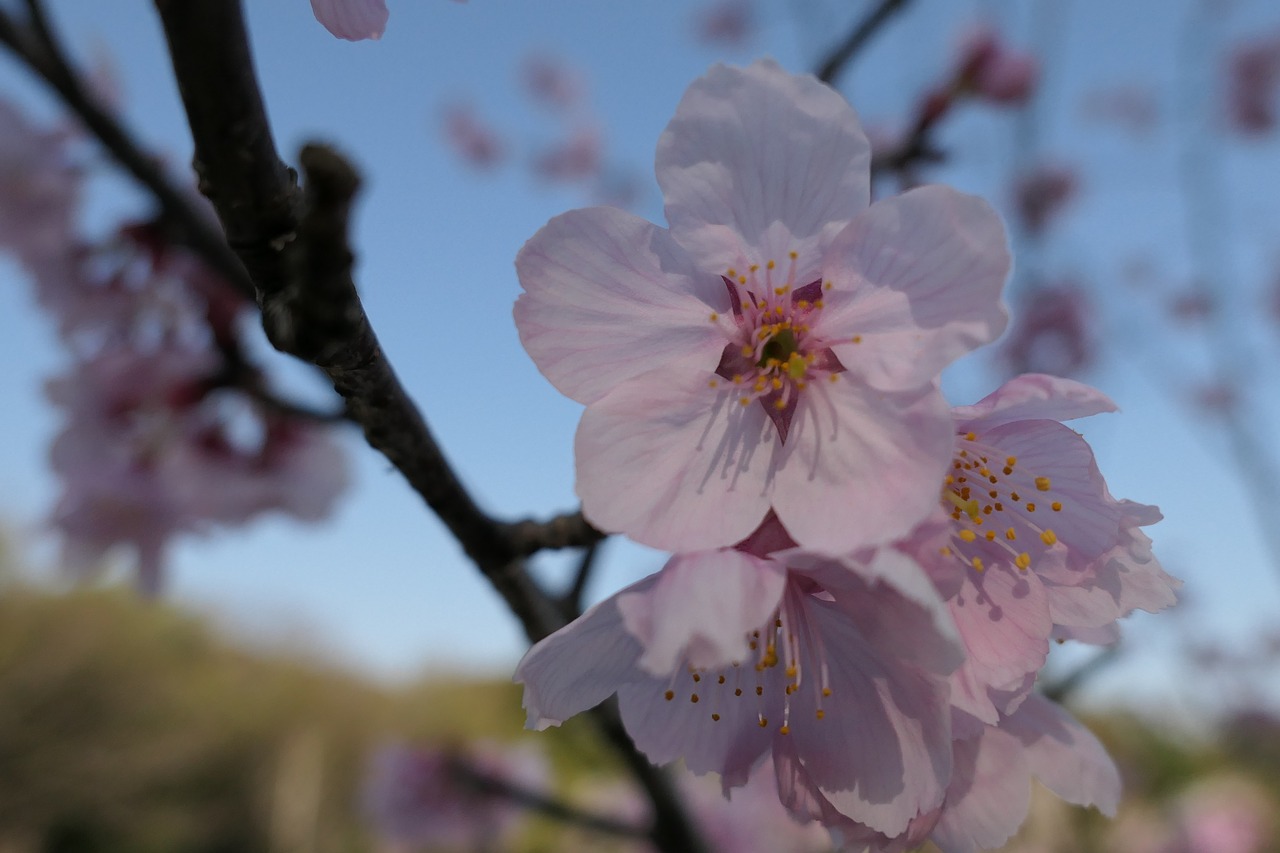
[
  {"x": 1036, "y": 547},
  {"x": 778, "y": 348},
  {"x": 471, "y": 137},
  {"x": 353, "y": 20},
  {"x": 39, "y": 190},
  {"x": 836, "y": 669},
  {"x": 1051, "y": 333},
  {"x": 1253, "y": 79},
  {"x": 992, "y": 70}
]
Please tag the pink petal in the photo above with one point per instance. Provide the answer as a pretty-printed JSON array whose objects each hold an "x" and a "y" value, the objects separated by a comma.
[
  {"x": 609, "y": 296},
  {"x": 352, "y": 20},
  {"x": 889, "y": 720},
  {"x": 1033, "y": 396},
  {"x": 675, "y": 463},
  {"x": 861, "y": 468},
  {"x": 701, "y": 609},
  {"x": 1003, "y": 619},
  {"x": 757, "y": 163},
  {"x": 581, "y": 665},
  {"x": 1065, "y": 756},
  {"x": 679, "y": 728},
  {"x": 989, "y": 796},
  {"x": 917, "y": 279}
]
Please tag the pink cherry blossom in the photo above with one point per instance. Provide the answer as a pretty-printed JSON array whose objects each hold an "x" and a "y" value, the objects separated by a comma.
[
  {"x": 993, "y": 71},
  {"x": 353, "y": 20},
  {"x": 422, "y": 796},
  {"x": 1035, "y": 543},
  {"x": 39, "y": 190},
  {"x": 471, "y": 138},
  {"x": 1040, "y": 194},
  {"x": 837, "y": 669},
  {"x": 1051, "y": 333},
  {"x": 990, "y": 788},
  {"x": 1253, "y": 79},
  {"x": 551, "y": 83},
  {"x": 730, "y": 23},
  {"x": 776, "y": 349},
  {"x": 576, "y": 158}
]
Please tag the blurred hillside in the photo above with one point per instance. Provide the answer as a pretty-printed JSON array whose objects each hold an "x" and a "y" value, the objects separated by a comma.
[{"x": 128, "y": 726}]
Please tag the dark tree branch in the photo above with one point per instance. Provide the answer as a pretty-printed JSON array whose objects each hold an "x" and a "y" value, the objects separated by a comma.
[
  {"x": 1063, "y": 688},
  {"x": 295, "y": 248},
  {"x": 831, "y": 67},
  {"x": 37, "y": 47},
  {"x": 570, "y": 530},
  {"x": 571, "y": 601}
]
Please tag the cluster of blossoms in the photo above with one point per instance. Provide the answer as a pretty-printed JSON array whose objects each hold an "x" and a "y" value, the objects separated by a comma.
[
  {"x": 865, "y": 581},
  {"x": 166, "y": 426}
]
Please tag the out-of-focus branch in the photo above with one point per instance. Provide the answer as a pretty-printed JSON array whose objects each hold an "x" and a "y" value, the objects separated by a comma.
[
  {"x": 571, "y": 601},
  {"x": 493, "y": 786},
  {"x": 570, "y": 530},
  {"x": 36, "y": 46},
  {"x": 1063, "y": 688},
  {"x": 831, "y": 67},
  {"x": 295, "y": 247}
]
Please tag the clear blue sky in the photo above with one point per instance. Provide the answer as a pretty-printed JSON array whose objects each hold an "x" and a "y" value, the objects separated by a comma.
[{"x": 382, "y": 586}]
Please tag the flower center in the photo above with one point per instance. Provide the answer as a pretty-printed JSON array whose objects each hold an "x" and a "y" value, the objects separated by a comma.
[
  {"x": 996, "y": 511},
  {"x": 774, "y": 351}
]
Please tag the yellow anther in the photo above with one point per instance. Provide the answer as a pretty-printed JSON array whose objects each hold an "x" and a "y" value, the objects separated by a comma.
[
  {"x": 713, "y": 384},
  {"x": 776, "y": 382},
  {"x": 754, "y": 267},
  {"x": 1031, "y": 507},
  {"x": 821, "y": 713},
  {"x": 817, "y": 303},
  {"x": 764, "y": 722},
  {"x": 1056, "y": 506},
  {"x": 715, "y": 718},
  {"x": 759, "y": 690},
  {"x": 944, "y": 551},
  {"x": 1049, "y": 537},
  {"x": 742, "y": 279},
  {"x": 731, "y": 272},
  {"x": 744, "y": 401},
  {"x": 794, "y": 255},
  {"x": 669, "y": 695},
  {"x": 968, "y": 535},
  {"x": 1023, "y": 561},
  {"x": 737, "y": 691},
  {"x": 970, "y": 436},
  {"x": 770, "y": 265},
  {"x": 803, "y": 304},
  {"x": 1011, "y": 534},
  {"x": 791, "y": 671},
  {"x": 696, "y": 678},
  {"x": 1012, "y": 460},
  {"x": 693, "y": 697},
  {"x": 720, "y": 680},
  {"x": 991, "y": 536},
  {"x": 977, "y": 563},
  {"x": 784, "y": 730},
  {"x": 1042, "y": 483},
  {"x": 779, "y": 404},
  {"x": 833, "y": 377},
  {"x": 1008, "y": 469},
  {"x": 779, "y": 291},
  {"x": 857, "y": 339},
  {"x": 826, "y": 285},
  {"x": 714, "y": 316},
  {"x": 826, "y": 691}
]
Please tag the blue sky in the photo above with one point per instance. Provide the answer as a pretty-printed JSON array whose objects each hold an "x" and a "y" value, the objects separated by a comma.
[{"x": 382, "y": 586}]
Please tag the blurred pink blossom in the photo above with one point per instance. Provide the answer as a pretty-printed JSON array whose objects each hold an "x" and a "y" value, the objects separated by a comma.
[
  {"x": 1040, "y": 194},
  {"x": 433, "y": 797},
  {"x": 577, "y": 158},
  {"x": 551, "y": 83},
  {"x": 1051, "y": 332},
  {"x": 1253, "y": 78},
  {"x": 992, "y": 70},
  {"x": 730, "y": 23},
  {"x": 1191, "y": 306},
  {"x": 1216, "y": 398},
  {"x": 1225, "y": 815},
  {"x": 471, "y": 138},
  {"x": 353, "y": 20},
  {"x": 39, "y": 190}
]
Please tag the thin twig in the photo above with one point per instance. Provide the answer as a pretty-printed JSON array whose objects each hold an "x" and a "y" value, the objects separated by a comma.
[
  {"x": 1060, "y": 690},
  {"x": 37, "y": 47},
  {"x": 835, "y": 62},
  {"x": 571, "y": 601}
]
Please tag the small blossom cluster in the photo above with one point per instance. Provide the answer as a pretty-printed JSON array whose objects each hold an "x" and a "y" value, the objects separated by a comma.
[
  {"x": 865, "y": 581},
  {"x": 165, "y": 427}
]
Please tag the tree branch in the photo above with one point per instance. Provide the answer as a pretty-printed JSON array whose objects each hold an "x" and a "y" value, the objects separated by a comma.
[
  {"x": 39, "y": 50},
  {"x": 835, "y": 62},
  {"x": 294, "y": 246}
]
